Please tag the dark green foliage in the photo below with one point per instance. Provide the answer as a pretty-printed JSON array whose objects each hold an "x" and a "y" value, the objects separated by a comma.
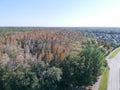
[
  {"x": 20, "y": 78},
  {"x": 73, "y": 72},
  {"x": 36, "y": 77},
  {"x": 49, "y": 77},
  {"x": 72, "y": 68},
  {"x": 84, "y": 69},
  {"x": 2, "y": 72},
  {"x": 93, "y": 60}
]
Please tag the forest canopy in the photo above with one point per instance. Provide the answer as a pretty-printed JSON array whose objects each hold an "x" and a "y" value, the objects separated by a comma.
[{"x": 49, "y": 60}]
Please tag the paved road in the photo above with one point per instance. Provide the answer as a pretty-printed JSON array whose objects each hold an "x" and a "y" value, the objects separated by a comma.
[{"x": 114, "y": 73}]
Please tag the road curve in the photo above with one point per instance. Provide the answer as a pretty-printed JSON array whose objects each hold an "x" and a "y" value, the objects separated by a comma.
[{"x": 114, "y": 73}]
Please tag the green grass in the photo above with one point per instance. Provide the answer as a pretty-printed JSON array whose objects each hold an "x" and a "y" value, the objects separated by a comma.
[
  {"x": 104, "y": 80},
  {"x": 114, "y": 53}
]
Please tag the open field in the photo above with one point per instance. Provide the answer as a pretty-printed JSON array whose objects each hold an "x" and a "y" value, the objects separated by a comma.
[
  {"x": 104, "y": 80},
  {"x": 114, "y": 53}
]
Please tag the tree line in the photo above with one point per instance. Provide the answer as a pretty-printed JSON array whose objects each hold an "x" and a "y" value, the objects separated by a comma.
[{"x": 75, "y": 71}]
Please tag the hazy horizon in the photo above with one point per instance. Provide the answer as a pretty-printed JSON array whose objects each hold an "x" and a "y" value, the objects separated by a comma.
[{"x": 63, "y": 13}]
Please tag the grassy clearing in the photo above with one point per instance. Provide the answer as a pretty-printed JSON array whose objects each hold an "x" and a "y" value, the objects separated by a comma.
[
  {"x": 114, "y": 53},
  {"x": 104, "y": 80}
]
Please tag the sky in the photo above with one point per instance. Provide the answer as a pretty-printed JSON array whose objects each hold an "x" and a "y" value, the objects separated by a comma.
[{"x": 60, "y": 13}]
